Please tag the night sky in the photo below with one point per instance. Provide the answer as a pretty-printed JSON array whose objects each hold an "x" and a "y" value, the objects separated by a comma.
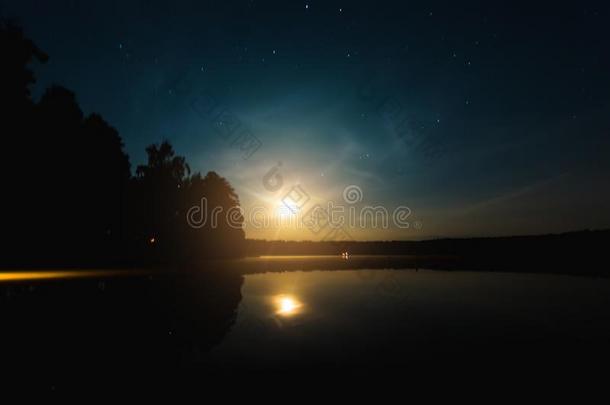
[{"x": 483, "y": 118}]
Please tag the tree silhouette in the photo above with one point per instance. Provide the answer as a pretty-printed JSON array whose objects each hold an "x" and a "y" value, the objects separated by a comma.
[
  {"x": 222, "y": 234},
  {"x": 19, "y": 179},
  {"x": 163, "y": 193},
  {"x": 17, "y": 53},
  {"x": 71, "y": 199},
  {"x": 154, "y": 203}
]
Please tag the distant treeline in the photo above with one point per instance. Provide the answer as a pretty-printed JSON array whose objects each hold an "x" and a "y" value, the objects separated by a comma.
[
  {"x": 69, "y": 196},
  {"x": 581, "y": 252}
]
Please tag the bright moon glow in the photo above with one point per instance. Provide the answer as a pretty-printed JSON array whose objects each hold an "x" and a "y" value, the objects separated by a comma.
[
  {"x": 287, "y": 209},
  {"x": 287, "y": 305}
]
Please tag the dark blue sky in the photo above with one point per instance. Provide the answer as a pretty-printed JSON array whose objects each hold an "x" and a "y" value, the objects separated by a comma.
[{"x": 484, "y": 118}]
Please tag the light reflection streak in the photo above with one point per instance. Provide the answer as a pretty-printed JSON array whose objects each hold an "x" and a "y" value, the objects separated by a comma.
[{"x": 58, "y": 275}]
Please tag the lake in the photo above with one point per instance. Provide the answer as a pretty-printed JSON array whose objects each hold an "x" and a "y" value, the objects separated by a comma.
[
  {"x": 392, "y": 317},
  {"x": 233, "y": 316}
]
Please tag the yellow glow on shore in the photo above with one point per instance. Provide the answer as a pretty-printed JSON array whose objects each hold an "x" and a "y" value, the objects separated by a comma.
[{"x": 51, "y": 275}]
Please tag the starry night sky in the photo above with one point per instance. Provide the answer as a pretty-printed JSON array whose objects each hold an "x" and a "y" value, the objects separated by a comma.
[{"x": 484, "y": 118}]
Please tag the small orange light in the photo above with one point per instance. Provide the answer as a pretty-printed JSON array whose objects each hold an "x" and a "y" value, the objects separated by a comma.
[{"x": 152, "y": 240}]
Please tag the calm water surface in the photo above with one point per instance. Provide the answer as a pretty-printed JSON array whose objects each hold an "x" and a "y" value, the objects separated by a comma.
[
  {"x": 218, "y": 318},
  {"x": 386, "y": 316}
]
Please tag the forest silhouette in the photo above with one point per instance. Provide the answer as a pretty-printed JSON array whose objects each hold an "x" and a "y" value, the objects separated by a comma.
[{"x": 72, "y": 199}]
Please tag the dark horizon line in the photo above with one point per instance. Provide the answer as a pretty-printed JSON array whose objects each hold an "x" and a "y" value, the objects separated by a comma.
[{"x": 438, "y": 238}]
